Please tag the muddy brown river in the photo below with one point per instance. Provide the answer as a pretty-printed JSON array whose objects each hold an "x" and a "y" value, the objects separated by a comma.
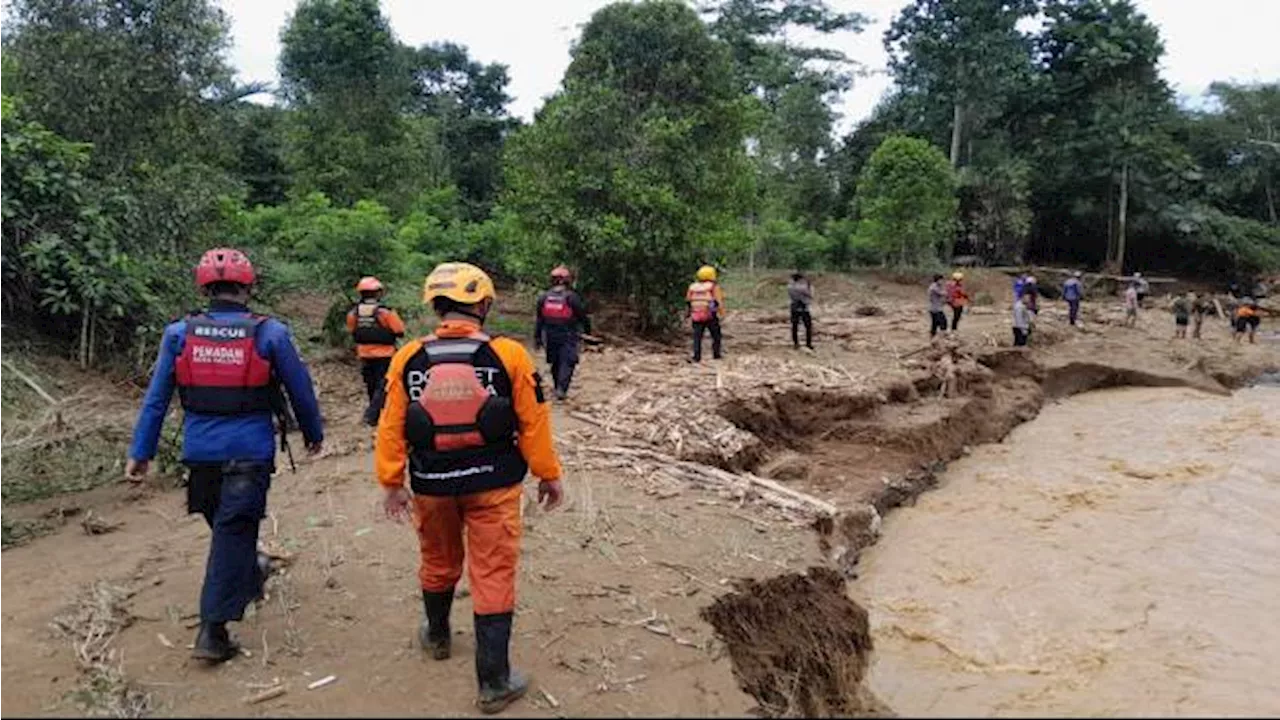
[{"x": 1118, "y": 555}]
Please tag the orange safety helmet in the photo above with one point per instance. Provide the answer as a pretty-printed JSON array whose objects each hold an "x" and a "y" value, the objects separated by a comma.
[
  {"x": 369, "y": 283},
  {"x": 560, "y": 272}
]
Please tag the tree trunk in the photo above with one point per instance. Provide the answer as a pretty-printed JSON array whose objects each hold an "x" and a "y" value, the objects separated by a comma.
[
  {"x": 956, "y": 122},
  {"x": 84, "y": 338},
  {"x": 1111, "y": 212},
  {"x": 1271, "y": 202},
  {"x": 1122, "y": 221}
]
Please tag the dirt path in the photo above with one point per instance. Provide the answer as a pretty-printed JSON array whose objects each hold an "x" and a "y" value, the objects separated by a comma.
[{"x": 611, "y": 588}]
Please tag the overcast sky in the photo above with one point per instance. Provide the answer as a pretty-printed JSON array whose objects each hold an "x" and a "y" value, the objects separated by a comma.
[{"x": 1204, "y": 40}]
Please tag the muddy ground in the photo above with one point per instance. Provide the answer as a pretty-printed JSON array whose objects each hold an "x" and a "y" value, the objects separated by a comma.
[{"x": 673, "y": 565}]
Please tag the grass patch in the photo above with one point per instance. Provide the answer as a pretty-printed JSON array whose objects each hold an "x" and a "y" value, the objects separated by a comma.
[
  {"x": 57, "y": 467},
  {"x": 21, "y": 531}
]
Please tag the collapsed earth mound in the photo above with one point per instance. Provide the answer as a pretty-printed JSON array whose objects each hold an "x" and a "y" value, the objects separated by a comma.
[{"x": 799, "y": 645}]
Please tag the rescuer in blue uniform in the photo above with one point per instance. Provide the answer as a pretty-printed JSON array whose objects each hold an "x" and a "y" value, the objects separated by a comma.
[{"x": 228, "y": 365}]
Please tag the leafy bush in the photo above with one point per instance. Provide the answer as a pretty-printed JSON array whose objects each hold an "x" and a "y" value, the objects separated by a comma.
[{"x": 906, "y": 196}]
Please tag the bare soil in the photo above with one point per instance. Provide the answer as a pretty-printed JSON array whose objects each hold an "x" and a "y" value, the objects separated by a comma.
[{"x": 648, "y": 594}]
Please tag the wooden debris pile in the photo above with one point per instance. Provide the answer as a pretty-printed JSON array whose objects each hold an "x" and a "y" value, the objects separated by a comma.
[{"x": 673, "y": 405}]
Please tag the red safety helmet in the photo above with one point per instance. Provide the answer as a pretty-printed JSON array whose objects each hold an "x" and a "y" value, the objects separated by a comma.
[
  {"x": 560, "y": 272},
  {"x": 369, "y": 284},
  {"x": 224, "y": 265}
]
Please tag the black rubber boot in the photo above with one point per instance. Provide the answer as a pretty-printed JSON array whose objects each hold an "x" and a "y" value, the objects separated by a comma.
[
  {"x": 213, "y": 644},
  {"x": 499, "y": 684},
  {"x": 434, "y": 634}
]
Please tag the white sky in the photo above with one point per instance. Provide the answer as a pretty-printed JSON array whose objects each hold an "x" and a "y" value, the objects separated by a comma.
[{"x": 1204, "y": 41}]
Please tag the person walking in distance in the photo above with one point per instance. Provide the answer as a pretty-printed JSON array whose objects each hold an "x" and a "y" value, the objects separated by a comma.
[
  {"x": 466, "y": 416},
  {"x": 375, "y": 328},
  {"x": 1247, "y": 319},
  {"x": 1143, "y": 287},
  {"x": 228, "y": 364},
  {"x": 561, "y": 318},
  {"x": 1022, "y": 319},
  {"x": 705, "y": 302},
  {"x": 800, "y": 290},
  {"x": 1181, "y": 308},
  {"x": 1131, "y": 305},
  {"x": 937, "y": 301},
  {"x": 957, "y": 298},
  {"x": 1073, "y": 293},
  {"x": 1199, "y": 308}
]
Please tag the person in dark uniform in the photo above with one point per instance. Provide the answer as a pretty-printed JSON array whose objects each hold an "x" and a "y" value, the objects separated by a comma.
[{"x": 561, "y": 320}]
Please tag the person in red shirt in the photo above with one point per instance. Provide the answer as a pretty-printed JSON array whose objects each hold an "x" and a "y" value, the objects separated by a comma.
[{"x": 957, "y": 298}]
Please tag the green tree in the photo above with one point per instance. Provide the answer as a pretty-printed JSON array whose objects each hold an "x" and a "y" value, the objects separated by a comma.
[
  {"x": 468, "y": 99},
  {"x": 636, "y": 170},
  {"x": 966, "y": 53},
  {"x": 907, "y": 203},
  {"x": 142, "y": 81},
  {"x": 1108, "y": 110},
  {"x": 792, "y": 88},
  {"x": 350, "y": 84}
]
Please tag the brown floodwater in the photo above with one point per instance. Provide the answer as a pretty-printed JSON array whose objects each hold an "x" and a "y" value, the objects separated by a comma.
[{"x": 1118, "y": 555}]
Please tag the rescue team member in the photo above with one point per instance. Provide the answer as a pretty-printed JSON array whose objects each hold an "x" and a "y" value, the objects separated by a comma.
[
  {"x": 705, "y": 302},
  {"x": 561, "y": 318},
  {"x": 1143, "y": 287},
  {"x": 466, "y": 413},
  {"x": 800, "y": 290},
  {"x": 375, "y": 328},
  {"x": 937, "y": 301},
  {"x": 957, "y": 298},
  {"x": 1031, "y": 294},
  {"x": 227, "y": 364},
  {"x": 1131, "y": 305},
  {"x": 1247, "y": 319},
  {"x": 1073, "y": 293}
]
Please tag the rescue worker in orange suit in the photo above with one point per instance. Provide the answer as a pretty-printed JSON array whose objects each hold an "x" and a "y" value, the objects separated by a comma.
[
  {"x": 465, "y": 412},
  {"x": 375, "y": 328},
  {"x": 561, "y": 319},
  {"x": 227, "y": 364},
  {"x": 706, "y": 309}
]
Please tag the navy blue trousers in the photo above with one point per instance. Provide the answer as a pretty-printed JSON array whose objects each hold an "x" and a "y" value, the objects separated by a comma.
[
  {"x": 233, "y": 499},
  {"x": 562, "y": 356}
]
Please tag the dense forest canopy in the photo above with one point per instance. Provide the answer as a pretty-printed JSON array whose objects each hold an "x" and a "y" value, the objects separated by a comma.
[{"x": 1018, "y": 131}]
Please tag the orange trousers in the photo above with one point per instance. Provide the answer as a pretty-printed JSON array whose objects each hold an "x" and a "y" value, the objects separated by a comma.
[{"x": 493, "y": 528}]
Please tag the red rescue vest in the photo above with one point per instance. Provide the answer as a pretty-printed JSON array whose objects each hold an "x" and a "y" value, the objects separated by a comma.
[
  {"x": 702, "y": 301},
  {"x": 461, "y": 431},
  {"x": 556, "y": 307},
  {"x": 369, "y": 328},
  {"x": 220, "y": 371}
]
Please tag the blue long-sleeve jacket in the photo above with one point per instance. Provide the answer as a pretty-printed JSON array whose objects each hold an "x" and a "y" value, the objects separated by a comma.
[{"x": 219, "y": 438}]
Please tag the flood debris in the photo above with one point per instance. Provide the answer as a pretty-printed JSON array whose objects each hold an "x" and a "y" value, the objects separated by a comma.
[{"x": 91, "y": 625}]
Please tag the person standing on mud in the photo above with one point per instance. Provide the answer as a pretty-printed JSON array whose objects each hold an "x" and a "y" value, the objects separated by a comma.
[
  {"x": 1022, "y": 317},
  {"x": 1131, "y": 305},
  {"x": 561, "y": 318},
  {"x": 937, "y": 301},
  {"x": 1199, "y": 308},
  {"x": 957, "y": 298},
  {"x": 1143, "y": 287},
  {"x": 1031, "y": 291},
  {"x": 227, "y": 364},
  {"x": 375, "y": 328},
  {"x": 1247, "y": 319},
  {"x": 1073, "y": 293},
  {"x": 466, "y": 416},
  {"x": 705, "y": 301},
  {"x": 800, "y": 290},
  {"x": 1181, "y": 316}
]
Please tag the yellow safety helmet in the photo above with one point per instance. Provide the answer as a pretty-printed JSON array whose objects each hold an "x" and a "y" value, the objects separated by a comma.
[
  {"x": 706, "y": 273},
  {"x": 957, "y": 275},
  {"x": 461, "y": 282}
]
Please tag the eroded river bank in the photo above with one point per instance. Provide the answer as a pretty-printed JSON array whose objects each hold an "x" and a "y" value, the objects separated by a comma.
[{"x": 1114, "y": 556}]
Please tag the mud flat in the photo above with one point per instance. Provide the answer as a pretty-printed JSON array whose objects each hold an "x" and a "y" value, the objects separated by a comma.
[{"x": 1115, "y": 556}]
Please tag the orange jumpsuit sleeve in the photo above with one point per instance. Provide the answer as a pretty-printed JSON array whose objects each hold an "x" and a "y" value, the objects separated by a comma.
[
  {"x": 351, "y": 321},
  {"x": 391, "y": 453},
  {"x": 535, "y": 440},
  {"x": 719, "y": 295},
  {"x": 391, "y": 320}
]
